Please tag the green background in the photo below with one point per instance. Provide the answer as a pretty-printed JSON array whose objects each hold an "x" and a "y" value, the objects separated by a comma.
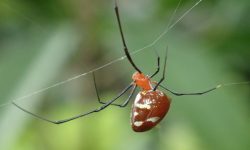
[{"x": 45, "y": 42}]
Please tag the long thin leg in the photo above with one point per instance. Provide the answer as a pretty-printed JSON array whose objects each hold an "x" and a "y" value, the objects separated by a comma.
[
  {"x": 123, "y": 38},
  {"x": 97, "y": 93},
  {"x": 129, "y": 98},
  {"x": 158, "y": 67},
  {"x": 195, "y": 93},
  {"x": 75, "y": 117},
  {"x": 164, "y": 70}
]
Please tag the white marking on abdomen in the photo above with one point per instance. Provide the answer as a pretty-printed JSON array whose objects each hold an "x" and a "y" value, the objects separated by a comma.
[
  {"x": 138, "y": 123},
  {"x": 153, "y": 119},
  {"x": 142, "y": 106},
  {"x": 136, "y": 113},
  {"x": 146, "y": 104},
  {"x": 137, "y": 98}
]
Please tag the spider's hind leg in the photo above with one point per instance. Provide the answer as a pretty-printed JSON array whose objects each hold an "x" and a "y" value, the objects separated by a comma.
[{"x": 118, "y": 96}]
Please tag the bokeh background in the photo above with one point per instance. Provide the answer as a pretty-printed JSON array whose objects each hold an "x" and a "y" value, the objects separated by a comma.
[{"x": 43, "y": 42}]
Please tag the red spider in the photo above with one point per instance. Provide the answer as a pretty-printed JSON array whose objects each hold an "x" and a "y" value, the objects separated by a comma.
[{"x": 150, "y": 105}]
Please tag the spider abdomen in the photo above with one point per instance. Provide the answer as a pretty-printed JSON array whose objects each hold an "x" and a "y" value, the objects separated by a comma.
[{"x": 149, "y": 109}]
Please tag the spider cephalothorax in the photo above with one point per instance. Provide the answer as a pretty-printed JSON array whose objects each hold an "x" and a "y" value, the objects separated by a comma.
[{"x": 142, "y": 81}]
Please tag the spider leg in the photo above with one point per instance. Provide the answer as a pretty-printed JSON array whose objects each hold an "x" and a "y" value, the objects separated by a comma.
[
  {"x": 158, "y": 67},
  {"x": 77, "y": 116},
  {"x": 125, "y": 48},
  {"x": 164, "y": 70},
  {"x": 97, "y": 93},
  {"x": 128, "y": 99},
  {"x": 177, "y": 93},
  {"x": 194, "y": 93}
]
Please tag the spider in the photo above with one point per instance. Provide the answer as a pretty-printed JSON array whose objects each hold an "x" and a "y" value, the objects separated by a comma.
[{"x": 150, "y": 105}]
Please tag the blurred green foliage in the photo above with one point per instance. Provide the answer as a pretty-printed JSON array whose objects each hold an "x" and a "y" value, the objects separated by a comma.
[{"x": 45, "y": 42}]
